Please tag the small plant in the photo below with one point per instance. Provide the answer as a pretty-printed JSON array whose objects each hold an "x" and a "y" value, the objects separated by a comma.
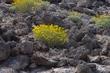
[
  {"x": 75, "y": 16},
  {"x": 75, "y": 13},
  {"x": 26, "y": 5},
  {"x": 102, "y": 20},
  {"x": 52, "y": 35}
]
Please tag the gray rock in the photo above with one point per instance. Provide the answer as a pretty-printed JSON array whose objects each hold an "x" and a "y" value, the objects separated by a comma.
[
  {"x": 23, "y": 72},
  {"x": 103, "y": 9},
  {"x": 4, "y": 6},
  {"x": 92, "y": 68},
  {"x": 105, "y": 44},
  {"x": 69, "y": 1},
  {"x": 72, "y": 32},
  {"x": 32, "y": 66},
  {"x": 85, "y": 10},
  {"x": 83, "y": 68},
  {"x": 106, "y": 62},
  {"x": 36, "y": 70},
  {"x": 78, "y": 53},
  {"x": 8, "y": 1},
  {"x": 84, "y": 3},
  {"x": 10, "y": 36},
  {"x": 4, "y": 51},
  {"x": 53, "y": 7},
  {"x": 103, "y": 68},
  {"x": 57, "y": 70},
  {"x": 12, "y": 44},
  {"x": 40, "y": 59},
  {"x": 54, "y": 1},
  {"x": 64, "y": 70},
  {"x": 26, "y": 47},
  {"x": 85, "y": 19},
  {"x": 68, "y": 4},
  {"x": 106, "y": 31},
  {"x": 86, "y": 68},
  {"x": 39, "y": 46},
  {"x": 95, "y": 52},
  {"x": 95, "y": 59},
  {"x": 89, "y": 11},
  {"x": 7, "y": 70},
  {"x": 54, "y": 17},
  {"x": 67, "y": 23},
  {"x": 108, "y": 1},
  {"x": 18, "y": 62},
  {"x": 98, "y": 59},
  {"x": 79, "y": 35},
  {"x": 22, "y": 31},
  {"x": 90, "y": 42},
  {"x": 69, "y": 61}
]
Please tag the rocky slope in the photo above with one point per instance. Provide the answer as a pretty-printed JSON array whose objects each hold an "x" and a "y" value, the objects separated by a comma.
[{"x": 88, "y": 50}]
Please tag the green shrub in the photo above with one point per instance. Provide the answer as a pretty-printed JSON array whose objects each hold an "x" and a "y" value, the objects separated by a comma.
[
  {"x": 75, "y": 16},
  {"x": 27, "y": 5},
  {"x": 102, "y": 20},
  {"x": 52, "y": 35}
]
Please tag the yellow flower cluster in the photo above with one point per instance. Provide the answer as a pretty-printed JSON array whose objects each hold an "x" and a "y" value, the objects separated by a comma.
[
  {"x": 102, "y": 20},
  {"x": 26, "y": 5},
  {"x": 52, "y": 35}
]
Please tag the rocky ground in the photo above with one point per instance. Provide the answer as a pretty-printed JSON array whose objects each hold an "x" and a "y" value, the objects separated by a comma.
[{"x": 88, "y": 50}]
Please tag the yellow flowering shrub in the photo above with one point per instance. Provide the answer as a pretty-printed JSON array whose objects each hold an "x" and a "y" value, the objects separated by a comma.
[
  {"x": 26, "y": 5},
  {"x": 52, "y": 35},
  {"x": 102, "y": 20}
]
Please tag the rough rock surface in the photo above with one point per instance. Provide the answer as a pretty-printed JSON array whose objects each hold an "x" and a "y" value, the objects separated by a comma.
[{"x": 87, "y": 51}]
